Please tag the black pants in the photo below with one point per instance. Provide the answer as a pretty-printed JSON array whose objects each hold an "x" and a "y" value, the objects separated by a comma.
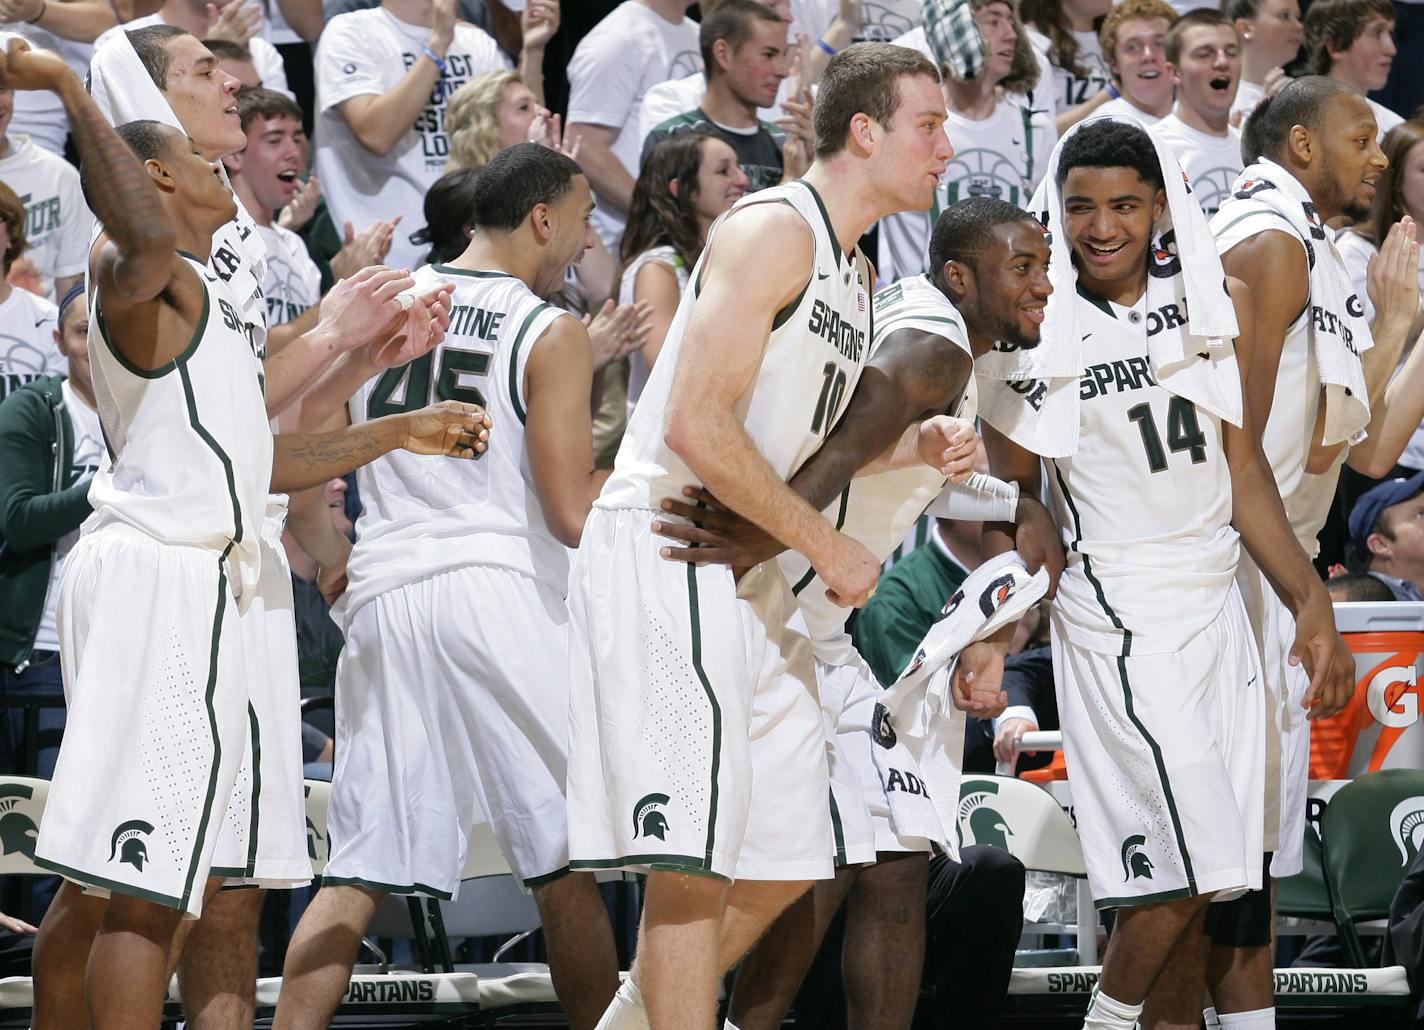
[{"x": 973, "y": 920}]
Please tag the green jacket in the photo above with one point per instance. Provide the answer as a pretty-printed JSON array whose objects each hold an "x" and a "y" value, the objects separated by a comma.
[{"x": 38, "y": 506}]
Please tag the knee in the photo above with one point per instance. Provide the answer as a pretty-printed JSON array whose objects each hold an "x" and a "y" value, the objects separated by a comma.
[{"x": 1000, "y": 872}]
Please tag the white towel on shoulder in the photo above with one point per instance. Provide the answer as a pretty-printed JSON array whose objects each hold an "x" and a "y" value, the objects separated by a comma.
[
  {"x": 917, "y": 711},
  {"x": 1339, "y": 333},
  {"x": 1193, "y": 357}
]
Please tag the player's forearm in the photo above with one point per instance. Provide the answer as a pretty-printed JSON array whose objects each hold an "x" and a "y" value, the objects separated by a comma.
[
  {"x": 610, "y": 180},
  {"x": 80, "y": 20},
  {"x": 1260, "y": 519},
  {"x": 121, "y": 194},
  {"x": 304, "y": 460},
  {"x": 328, "y": 395},
  {"x": 295, "y": 368},
  {"x": 278, "y": 336}
]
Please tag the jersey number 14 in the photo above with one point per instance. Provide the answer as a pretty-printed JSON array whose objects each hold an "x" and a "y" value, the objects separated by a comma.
[{"x": 1183, "y": 432}]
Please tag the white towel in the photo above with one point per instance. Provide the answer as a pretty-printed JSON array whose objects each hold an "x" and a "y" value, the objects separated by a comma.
[
  {"x": 123, "y": 90},
  {"x": 917, "y": 711},
  {"x": 1339, "y": 333},
  {"x": 1031, "y": 394}
]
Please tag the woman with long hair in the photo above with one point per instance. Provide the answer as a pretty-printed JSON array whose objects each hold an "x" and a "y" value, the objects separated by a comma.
[
  {"x": 1270, "y": 34},
  {"x": 1399, "y": 192},
  {"x": 687, "y": 181},
  {"x": 1065, "y": 32}
]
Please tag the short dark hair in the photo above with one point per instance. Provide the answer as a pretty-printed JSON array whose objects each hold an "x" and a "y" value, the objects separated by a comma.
[
  {"x": 1338, "y": 23},
  {"x": 1202, "y": 17},
  {"x": 731, "y": 21},
  {"x": 515, "y": 180},
  {"x": 449, "y": 210},
  {"x": 147, "y": 139},
  {"x": 863, "y": 79},
  {"x": 965, "y": 229},
  {"x": 221, "y": 48},
  {"x": 255, "y": 102},
  {"x": 12, "y": 213},
  {"x": 1303, "y": 101},
  {"x": 150, "y": 43},
  {"x": 1360, "y": 586},
  {"x": 1107, "y": 143}
]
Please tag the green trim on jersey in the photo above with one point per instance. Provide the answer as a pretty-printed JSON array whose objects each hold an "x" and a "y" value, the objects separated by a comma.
[
  {"x": 1144, "y": 899},
  {"x": 539, "y": 881},
  {"x": 112, "y": 886},
  {"x": 658, "y": 863},
  {"x": 252, "y": 820},
  {"x": 216, "y": 448},
  {"x": 837, "y": 830},
  {"x": 473, "y": 273},
  {"x": 514, "y": 377},
  {"x": 385, "y": 888},
  {"x": 694, "y": 618},
  {"x": 162, "y": 370},
  {"x": 1259, "y": 211},
  {"x": 825, "y": 215},
  {"x": 201, "y": 831},
  {"x": 805, "y": 581},
  {"x": 1098, "y": 302}
]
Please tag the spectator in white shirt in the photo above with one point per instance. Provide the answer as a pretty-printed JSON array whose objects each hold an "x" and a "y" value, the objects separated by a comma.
[
  {"x": 639, "y": 44},
  {"x": 1204, "y": 56},
  {"x": 57, "y": 221},
  {"x": 383, "y": 77},
  {"x": 1063, "y": 31},
  {"x": 1134, "y": 38},
  {"x": 1270, "y": 32},
  {"x": 1352, "y": 41}
]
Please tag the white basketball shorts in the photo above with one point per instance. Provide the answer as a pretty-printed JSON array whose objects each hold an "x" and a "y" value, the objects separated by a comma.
[
  {"x": 696, "y": 745},
  {"x": 155, "y": 680},
  {"x": 451, "y": 710},
  {"x": 1165, "y": 755}
]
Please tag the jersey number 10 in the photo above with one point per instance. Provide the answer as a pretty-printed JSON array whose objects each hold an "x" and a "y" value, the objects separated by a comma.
[{"x": 408, "y": 387}]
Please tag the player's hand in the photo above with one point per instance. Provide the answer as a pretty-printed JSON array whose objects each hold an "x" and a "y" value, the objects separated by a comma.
[
  {"x": 234, "y": 20},
  {"x": 1038, "y": 542},
  {"x": 540, "y": 21},
  {"x": 302, "y": 206},
  {"x": 414, "y": 332},
  {"x": 442, "y": 31},
  {"x": 22, "y": 67},
  {"x": 1392, "y": 279},
  {"x": 360, "y": 308},
  {"x": 617, "y": 331},
  {"x": 21, "y": 10},
  {"x": 16, "y": 925},
  {"x": 849, "y": 570},
  {"x": 1327, "y": 659},
  {"x": 978, "y": 679},
  {"x": 364, "y": 249},
  {"x": 452, "y": 428},
  {"x": 331, "y": 581},
  {"x": 1009, "y": 732},
  {"x": 950, "y": 445},
  {"x": 716, "y": 534}
]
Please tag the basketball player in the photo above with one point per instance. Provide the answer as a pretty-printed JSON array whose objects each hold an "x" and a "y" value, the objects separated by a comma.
[
  {"x": 157, "y": 692},
  {"x": 1152, "y": 649},
  {"x": 691, "y": 754},
  {"x": 463, "y": 577},
  {"x": 1321, "y": 134},
  {"x": 990, "y": 284}
]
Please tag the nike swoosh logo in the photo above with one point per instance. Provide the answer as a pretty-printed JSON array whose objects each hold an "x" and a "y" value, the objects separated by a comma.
[
  {"x": 1086, "y": 335},
  {"x": 1015, "y": 142},
  {"x": 823, "y": 275},
  {"x": 43, "y": 321}
]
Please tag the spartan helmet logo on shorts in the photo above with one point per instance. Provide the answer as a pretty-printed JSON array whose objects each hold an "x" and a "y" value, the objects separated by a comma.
[
  {"x": 17, "y": 828},
  {"x": 986, "y": 824},
  {"x": 1135, "y": 862},
  {"x": 127, "y": 845},
  {"x": 1406, "y": 828},
  {"x": 648, "y": 820}
]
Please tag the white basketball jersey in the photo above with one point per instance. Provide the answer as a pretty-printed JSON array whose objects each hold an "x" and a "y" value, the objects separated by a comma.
[
  {"x": 422, "y": 514},
  {"x": 1287, "y": 435},
  {"x": 1144, "y": 505},
  {"x": 879, "y": 510},
  {"x": 189, "y": 445},
  {"x": 813, "y": 359}
]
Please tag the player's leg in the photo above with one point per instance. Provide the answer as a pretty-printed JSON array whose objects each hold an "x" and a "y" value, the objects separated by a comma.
[
  {"x": 321, "y": 954},
  {"x": 679, "y": 949},
  {"x": 1143, "y": 939},
  {"x": 61, "y": 956},
  {"x": 1177, "y": 998},
  {"x": 582, "y": 957},
  {"x": 884, "y": 951},
  {"x": 217, "y": 970},
  {"x": 771, "y": 973},
  {"x": 127, "y": 978},
  {"x": 1241, "y": 972}
]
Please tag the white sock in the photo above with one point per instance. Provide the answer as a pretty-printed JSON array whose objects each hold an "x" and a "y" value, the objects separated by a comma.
[
  {"x": 1256, "y": 1019},
  {"x": 1106, "y": 1013},
  {"x": 729, "y": 1025},
  {"x": 625, "y": 1011},
  {"x": 1211, "y": 1018}
]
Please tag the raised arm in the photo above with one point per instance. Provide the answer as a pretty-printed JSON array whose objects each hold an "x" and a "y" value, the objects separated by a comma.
[
  {"x": 80, "y": 20},
  {"x": 1260, "y": 518},
  {"x": 380, "y": 120}
]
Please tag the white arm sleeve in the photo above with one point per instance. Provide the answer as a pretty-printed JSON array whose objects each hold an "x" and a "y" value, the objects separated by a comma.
[{"x": 981, "y": 499}]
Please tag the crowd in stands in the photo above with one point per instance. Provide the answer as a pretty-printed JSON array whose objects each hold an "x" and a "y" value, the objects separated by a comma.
[{"x": 366, "y": 122}]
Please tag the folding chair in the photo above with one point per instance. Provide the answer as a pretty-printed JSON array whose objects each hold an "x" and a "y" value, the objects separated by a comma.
[
  {"x": 22, "y": 801},
  {"x": 1373, "y": 830},
  {"x": 1025, "y": 821}
]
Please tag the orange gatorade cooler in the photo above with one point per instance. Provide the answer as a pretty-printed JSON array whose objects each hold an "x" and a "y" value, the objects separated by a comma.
[{"x": 1379, "y": 728}]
